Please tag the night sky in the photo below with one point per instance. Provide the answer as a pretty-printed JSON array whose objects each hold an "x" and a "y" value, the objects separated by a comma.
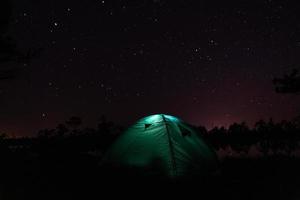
[{"x": 210, "y": 62}]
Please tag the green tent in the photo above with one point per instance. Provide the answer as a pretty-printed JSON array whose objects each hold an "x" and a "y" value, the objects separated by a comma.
[{"x": 162, "y": 144}]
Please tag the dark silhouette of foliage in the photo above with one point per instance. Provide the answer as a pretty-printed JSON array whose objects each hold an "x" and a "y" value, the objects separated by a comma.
[
  {"x": 61, "y": 129},
  {"x": 9, "y": 51},
  {"x": 74, "y": 122},
  {"x": 239, "y": 137},
  {"x": 290, "y": 83},
  {"x": 269, "y": 138},
  {"x": 289, "y": 141}
]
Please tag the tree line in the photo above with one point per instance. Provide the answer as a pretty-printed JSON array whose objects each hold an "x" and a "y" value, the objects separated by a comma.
[{"x": 266, "y": 137}]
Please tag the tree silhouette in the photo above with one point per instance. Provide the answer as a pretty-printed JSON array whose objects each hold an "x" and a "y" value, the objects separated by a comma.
[
  {"x": 61, "y": 130},
  {"x": 218, "y": 137},
  {"x": 108, "y": 131},
  {"x": 3, "y": 136},
  {"x": 290, "y": 83},
  {"x": 239, "y": 137},
  {"x": 46, "y": 133},
  {"x": 74, "y": 122},
  {"x": 9, "y": 52},
  {"x": 104, "y": 125}
]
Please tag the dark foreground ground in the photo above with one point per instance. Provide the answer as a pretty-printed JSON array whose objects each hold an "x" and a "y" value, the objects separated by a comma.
[{"x": 80, "y": 177}]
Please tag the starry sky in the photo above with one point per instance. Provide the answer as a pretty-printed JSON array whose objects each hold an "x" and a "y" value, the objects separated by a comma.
[{"x": 210, "y": 62}]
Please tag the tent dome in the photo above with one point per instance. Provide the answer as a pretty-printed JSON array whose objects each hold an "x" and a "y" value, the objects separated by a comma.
[{"x": 162, "y": 144}]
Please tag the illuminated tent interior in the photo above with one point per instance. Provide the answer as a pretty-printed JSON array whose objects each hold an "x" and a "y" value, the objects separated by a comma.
[{"x": 162, "y": 145}]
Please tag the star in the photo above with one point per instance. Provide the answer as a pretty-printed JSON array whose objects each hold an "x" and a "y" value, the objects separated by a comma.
[{"x": 217, "y": 57}]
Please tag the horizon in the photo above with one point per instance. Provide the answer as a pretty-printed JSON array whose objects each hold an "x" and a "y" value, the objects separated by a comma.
[{"x": 84, "y": 125}]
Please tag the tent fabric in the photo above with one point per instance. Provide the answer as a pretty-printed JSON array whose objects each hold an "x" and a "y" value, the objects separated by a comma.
[{"x": 162, "y": 144}]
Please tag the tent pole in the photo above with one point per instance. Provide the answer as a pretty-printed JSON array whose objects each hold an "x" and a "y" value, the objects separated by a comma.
[{"x": 171, "y": 147}]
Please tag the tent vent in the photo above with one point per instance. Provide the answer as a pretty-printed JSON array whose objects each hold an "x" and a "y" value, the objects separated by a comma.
[
  {"x": 147, "y": 125},
  {"x": 184, "y": 131}
]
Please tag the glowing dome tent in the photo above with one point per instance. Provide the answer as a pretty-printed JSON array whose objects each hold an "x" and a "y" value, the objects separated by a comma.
[{"x": 162, "y": 144}]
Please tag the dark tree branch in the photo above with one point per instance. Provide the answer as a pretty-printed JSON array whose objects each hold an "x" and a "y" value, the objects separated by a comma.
[{"x": 290, "y": 83}]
